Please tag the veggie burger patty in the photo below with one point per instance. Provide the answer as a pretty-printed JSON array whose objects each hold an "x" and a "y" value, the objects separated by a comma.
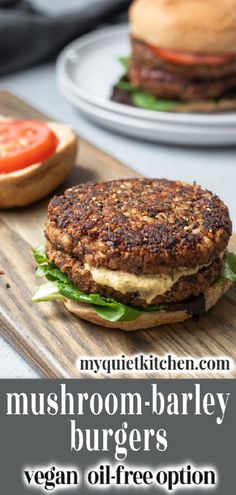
[
  {"x": 139, "y": 241},
  {"x": 169, "y": 80}
]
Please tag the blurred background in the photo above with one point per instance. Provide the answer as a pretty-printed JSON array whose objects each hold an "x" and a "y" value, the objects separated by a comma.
[{"x": 33, "y": 31}]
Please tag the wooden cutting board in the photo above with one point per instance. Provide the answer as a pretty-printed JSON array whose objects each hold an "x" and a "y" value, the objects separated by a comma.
[{"x": 46, "y": 334}]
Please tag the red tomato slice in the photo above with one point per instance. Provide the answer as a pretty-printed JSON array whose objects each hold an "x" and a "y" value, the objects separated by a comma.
[
  {"x": 23, "y": 143},
  {"x": 191, "y": 58}
]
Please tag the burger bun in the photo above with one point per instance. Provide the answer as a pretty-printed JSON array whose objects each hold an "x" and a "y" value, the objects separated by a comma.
[{"x": 186, "y": 25}]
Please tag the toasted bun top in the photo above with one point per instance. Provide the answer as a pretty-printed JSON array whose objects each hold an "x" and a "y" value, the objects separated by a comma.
[{"x": 186, "y": 25}]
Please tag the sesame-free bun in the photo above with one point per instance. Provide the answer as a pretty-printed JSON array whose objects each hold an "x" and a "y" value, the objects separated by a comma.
[
  {"x": 186, "y": 25},
  {"x": 146, "y": 320},
  {"x": 32, "y": 183}
]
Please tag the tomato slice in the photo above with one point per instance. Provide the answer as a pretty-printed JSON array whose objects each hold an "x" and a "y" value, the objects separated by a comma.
[
  {"x": 23, "y": 143},
  {"x": 191, "y": 58}
]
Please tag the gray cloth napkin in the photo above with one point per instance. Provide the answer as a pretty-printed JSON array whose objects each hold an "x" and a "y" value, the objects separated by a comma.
[{"x": 30, "y": 35}]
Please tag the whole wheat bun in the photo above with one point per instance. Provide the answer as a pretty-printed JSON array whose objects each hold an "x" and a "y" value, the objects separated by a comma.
[
  {"x": 186, "y": 25},
  {"x": 146, "y": 320},
  {"x": 30, "y": 184}
]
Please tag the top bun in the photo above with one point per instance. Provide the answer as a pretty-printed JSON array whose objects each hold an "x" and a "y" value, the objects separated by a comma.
[{"x": 186, "y": 25}]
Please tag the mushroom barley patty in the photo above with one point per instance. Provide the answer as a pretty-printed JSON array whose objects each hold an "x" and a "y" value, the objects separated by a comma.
[{"x": 139, "y": 241}]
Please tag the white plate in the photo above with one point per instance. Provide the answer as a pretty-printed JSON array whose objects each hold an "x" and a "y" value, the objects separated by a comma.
[{"x": 87, "y": 71}]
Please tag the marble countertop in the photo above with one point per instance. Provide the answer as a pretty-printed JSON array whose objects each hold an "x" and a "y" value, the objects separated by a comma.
[{"x": 215, "y": 169}]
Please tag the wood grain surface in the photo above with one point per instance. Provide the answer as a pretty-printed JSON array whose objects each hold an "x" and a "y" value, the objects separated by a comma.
[{"x": 52, "y": 339}]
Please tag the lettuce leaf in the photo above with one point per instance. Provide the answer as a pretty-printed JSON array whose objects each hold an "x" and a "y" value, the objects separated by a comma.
[
  {"x": 230, "y": 269},
  {"x": 126, "y": 86},
  {"x": 149, "y": 102},
  {"x": 125, "y": 61},
  {"x": 60, "y": 287},
  {"x": 47, "y": 292}
]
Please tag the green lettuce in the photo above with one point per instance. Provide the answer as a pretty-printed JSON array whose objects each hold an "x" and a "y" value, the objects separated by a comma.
[
  {"x": 125, "y": 61},
  {"x": 149, "y": 102},
  {"x": 230, "y": 269},
  {"x": 60, "y": 287},
  {"x": 140, "y": 98}
]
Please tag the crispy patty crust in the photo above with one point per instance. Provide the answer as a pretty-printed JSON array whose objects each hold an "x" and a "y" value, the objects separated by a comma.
[
  {"x": 186, "y": 286},
  {"x": 141, "y": 226}
]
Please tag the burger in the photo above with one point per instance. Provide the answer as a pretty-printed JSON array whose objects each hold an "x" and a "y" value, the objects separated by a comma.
[
  {"x": 183, "y": 55},
  {"x": 136, "y": 253}
]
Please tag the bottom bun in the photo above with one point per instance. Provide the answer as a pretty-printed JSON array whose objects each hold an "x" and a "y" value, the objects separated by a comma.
[
  {"x": 207, "y": 106},
  {"x": 146, "y": 320}
]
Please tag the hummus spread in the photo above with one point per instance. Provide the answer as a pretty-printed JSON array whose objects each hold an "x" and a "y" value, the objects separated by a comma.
[{"x": 148, "y": 286}]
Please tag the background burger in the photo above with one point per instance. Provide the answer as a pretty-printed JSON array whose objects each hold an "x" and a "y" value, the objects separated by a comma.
[{"x": 183, "y": 51}]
